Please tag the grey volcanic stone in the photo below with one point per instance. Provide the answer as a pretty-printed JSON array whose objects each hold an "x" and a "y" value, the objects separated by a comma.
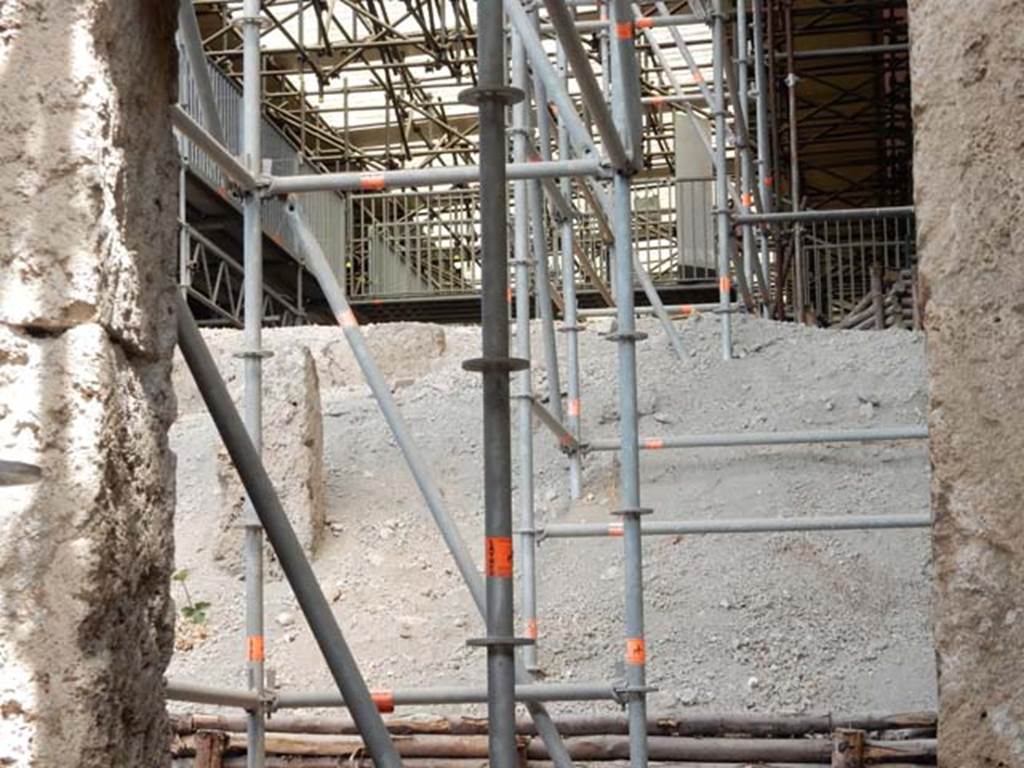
[{"x": 968, "y": 88}]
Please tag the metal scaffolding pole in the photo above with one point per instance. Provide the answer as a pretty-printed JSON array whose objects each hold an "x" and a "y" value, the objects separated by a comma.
[
  {"x": 491, "y": 96},
  {"x": 321, "y": 271},
  {"x": 540, "y": 248},
  {"x": 570, "y": 325},
  {"x": 424, "y": 177},
  {"x": 742, "y": 116},
  {"x": 524, "y": 384},
  {"x": 763, "y": 144},
  {"x": 741, "y": 525},
  {"x": 721, "y": 184},
  {"x": 882, "y": 434},
  {"x": 252, "y": 362},
  {"x": 625, "y": 91},
  {"x": 297, "y": 570},
  {"x": 454, "y": 694},
  {"x": 799, "y": 299}
]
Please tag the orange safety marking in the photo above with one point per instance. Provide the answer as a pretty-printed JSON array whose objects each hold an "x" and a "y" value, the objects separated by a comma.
[
  {"x": 615, "y": 529},
  {"x": 645, "y": 23},
  {"x": 384, "y": 700},
  {"x": 685, "y": 310},
  {"x": 747, "y": 199},
  {"x": 565, "y": 440},
  {"x": 654, "y": 443},
  {"x": 658, "y": 101},
  {"x": 347, "y": 319},
  {"x": 372, "y": 183},
  {"x": 256, "y": 650},
  {"x": 574, "y": 406},
  {"x": 769, "y": 181},
  {"x": 531, "y": 629},
  {"x": 499, "y": 557},
  {"x": 636, "y": 651},
  {"x": 724, "y": 284},
  {"x": 624, "y": 30},
  {"x": 378, "y": 302},
  {"x": 508, "y": 295}
]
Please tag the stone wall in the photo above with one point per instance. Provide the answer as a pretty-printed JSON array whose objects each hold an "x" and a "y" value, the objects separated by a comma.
[
  {"x": 293, "y": 450},
  {"x": 968, "y": 100},
  {"x": 87, "y": 246}
]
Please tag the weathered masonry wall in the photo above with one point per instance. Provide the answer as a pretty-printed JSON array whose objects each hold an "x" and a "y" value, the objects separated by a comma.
[
  {"x": 968, "y": 81},
  {"x": 87, "y": 244}
]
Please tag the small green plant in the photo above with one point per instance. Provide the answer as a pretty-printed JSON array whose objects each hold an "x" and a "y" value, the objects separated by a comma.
[{"x": 194, "y": 611}]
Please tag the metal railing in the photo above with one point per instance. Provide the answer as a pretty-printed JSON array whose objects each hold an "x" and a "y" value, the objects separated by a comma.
[
  {"x": 325, "y": 211},
  {"x": 426, "y": 242},
  {"x": 840, "y": 254}
]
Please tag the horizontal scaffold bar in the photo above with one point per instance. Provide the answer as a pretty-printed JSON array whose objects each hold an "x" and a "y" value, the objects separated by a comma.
[
  {"x": 425, "y": 177},
  {"x": 387, "y": 700},
  {"x": 833, "y": 215},
  {"x": 220, "y": 154},
  {"x": 740, "y": 525},
  {"x": 455, "y": 694},
  {"x": 913, "y": 432}
]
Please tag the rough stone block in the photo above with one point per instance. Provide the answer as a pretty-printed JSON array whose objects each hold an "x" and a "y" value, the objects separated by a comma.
[
  {"x": 293, "y": 447},
  {"x": 968, "y": 88},
  {"x": 86, "y": 623}
]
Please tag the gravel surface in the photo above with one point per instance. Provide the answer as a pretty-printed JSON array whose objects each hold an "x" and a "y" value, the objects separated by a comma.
[{"x": 783, "y": 622}]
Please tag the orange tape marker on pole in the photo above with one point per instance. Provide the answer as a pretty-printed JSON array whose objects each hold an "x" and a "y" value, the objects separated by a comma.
[
  {"x": 658, "y": 102},
  {"x": 385, "y": 700},
  {"x": 499, "y": 557},
  {"x": 574, "y": 407},
  {"x": 624, "y": 30},
  {"x": 747, "y": 199},
  {"x": 685, "y": 310},
  {"x": 372, "y": 183},
  {"x": 348, "y": 319},
  {"x": 636, "y": 651},
  {"x": 654, "y": 443},
  {"x": 644, "y": 23},
  {"x": 615, "y": 529},
  {"x": 531, "y": 629},
  {"x": 724, "y": 284},
  {"x": 256, "y": 648},
  {"x": 698, "y": 76}
]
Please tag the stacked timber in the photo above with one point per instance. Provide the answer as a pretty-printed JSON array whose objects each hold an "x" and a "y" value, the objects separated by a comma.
[
  {"x": 690, "y": 741},
  {"x": 893, "y": 302}
]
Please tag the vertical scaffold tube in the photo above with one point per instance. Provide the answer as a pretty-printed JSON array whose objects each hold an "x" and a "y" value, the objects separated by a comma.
[
  {"x": 721, "y": 183},
  {"x": 571, "y": 322},
  {"x": 629, "y": 454},
  {"x": 763, "y": 144},
  {"x": 742, "y": 114},
  {"x": 524, "y": 385},
  {"x": 252, "y": 152},
  {"x": 495, "y": 366}
]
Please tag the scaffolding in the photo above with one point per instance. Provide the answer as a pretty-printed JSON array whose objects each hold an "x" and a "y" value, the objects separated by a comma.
[{"x": 574, "y": 133}]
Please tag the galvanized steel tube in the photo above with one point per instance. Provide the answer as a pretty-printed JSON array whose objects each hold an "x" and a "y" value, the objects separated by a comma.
[
  {"x": 571, "y": 322},
  {"x": 624, "y": 91},
  {"x": 252, "y": 364},
  {"x": 742, "y": 114},
  {"x": 719, "y": 440},
  {"x": 297, "y": 570},
  {"x": 837, "y": 214},
  {"x": 740, "y": 525},
  {"x": 455, "y": 694},
  {"x": 523, "y": 379},
  {"x": 495, "y": 367},
  {"x": 721, "y": 183},
  {"x": 763, "y": 143},
  {"x": 188, "y": 29},
  {"x": 424, "y": 177}
]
